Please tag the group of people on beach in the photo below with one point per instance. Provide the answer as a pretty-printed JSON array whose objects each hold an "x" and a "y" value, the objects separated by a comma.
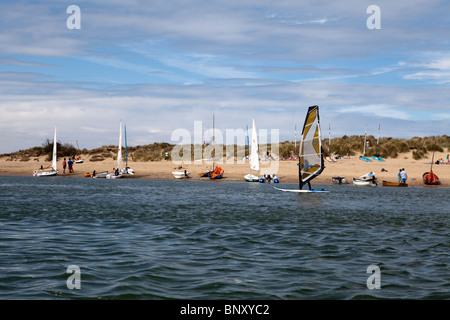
[
  {"x": 68, "y": 163},
  {"x": 441, "y": 161},
  {"x": 402, "y": 176}
]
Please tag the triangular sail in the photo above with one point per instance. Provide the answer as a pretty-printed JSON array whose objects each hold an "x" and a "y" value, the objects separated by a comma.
[
  {"x": 311, "y": 154},
  {"x": 254, "y": 159},
  {"x": 119, "y": 153},
  {"x": 54, "y": 152}
]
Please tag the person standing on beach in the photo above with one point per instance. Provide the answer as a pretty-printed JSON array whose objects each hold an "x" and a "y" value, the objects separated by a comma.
[
  {"x": 64, "y": 166},
  {"x": 403, "y": 175},
  {"x": 399, "y": 176},
  {"x": 70, "y": 163}
]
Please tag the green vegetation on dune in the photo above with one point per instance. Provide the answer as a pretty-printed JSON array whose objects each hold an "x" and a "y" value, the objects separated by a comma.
[{"x": 387, "y": 148}]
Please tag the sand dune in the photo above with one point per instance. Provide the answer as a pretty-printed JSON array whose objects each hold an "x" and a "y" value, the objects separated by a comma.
[{"x": 286, "y": 170}]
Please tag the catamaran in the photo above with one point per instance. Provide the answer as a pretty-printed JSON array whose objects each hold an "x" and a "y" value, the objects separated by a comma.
[
  {"x": 254, "y": 158},
  {"x": 49, "y": 171},
  {"x": 311, "y": 162},
  {"x": 118, "y": 172}
]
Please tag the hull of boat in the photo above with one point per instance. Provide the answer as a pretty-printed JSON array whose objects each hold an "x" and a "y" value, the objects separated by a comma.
[
  {"x": 394, "y": 184},
  {"x": 251, "y": 178},
  {"x": 98, "y": 175},
  {"x": 181, "y": 174},
  {"x": 364, "y": 183},
  {"x": 339, "y": 180},
  {"x": 205, "y": 174},
  {"x": 217, "y": 173},
  {"x": 45, "y": 173},
  {"x": 113, "y": 176},
  {"x": 430, "y": 179}
]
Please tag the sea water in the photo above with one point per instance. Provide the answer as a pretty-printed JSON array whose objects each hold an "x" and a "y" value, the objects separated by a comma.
[{"x": 80, "y": 238}]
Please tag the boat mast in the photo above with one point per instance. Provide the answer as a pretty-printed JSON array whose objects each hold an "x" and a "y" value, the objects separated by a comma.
[
  {"x": 329, "y": 140},
  {"x": 378, "y": 140},
  {"x": 126, "y": 153},
  {"x": 295, "y": 140},
  {"x": 365, "y": 134}
]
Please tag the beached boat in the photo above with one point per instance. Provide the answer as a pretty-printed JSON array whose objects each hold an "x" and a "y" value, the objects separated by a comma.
[
  {"x": 181, "y": 174},
  {"x": 365, "y": 159},
  {"x": 78, "y": 159},
  {"x": 118, "y": 171},
  {"x": 429, "y": 178},
  {"x": 127, "y": 169},
  {"x": 339, "y": 180},
  {"x": 367, "y": 180},
  {"x": 311, "y": 162},
  {"x": 393, "y": 184},
  {"x": 95, "y": 174},
  {"x": 254, "y": 157},
  {"x": 217, "y": 173},
  {"x": 52, "y": 171}
]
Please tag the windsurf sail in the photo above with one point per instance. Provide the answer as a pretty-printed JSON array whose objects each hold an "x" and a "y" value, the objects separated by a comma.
[
  {"x": 254, "y": 159},
  {"x": 310, "y": 154}
]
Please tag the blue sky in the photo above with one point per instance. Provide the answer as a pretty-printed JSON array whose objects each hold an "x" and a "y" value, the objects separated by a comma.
[{"x": 161, "y": 65}]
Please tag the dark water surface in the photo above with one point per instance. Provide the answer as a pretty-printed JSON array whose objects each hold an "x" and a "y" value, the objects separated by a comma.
[{"x": 155, "y": 239}]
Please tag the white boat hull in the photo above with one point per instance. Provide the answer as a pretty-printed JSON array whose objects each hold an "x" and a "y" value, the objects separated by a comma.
[
  {"x": 45, "y": 173},
  {"x": 113, "y": 176},
  {"x": 180, "y": 174},
  {"x": 364, "y": 183},
  {"x": 100, "y": 175},
  {"x": 251, "y": 178}
]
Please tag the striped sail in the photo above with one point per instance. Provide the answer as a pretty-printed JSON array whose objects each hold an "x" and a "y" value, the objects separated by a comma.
[{"x": 311, "y": 154}]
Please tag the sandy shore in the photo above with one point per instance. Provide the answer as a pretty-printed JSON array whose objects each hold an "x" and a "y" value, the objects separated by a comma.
[{"x": 286, "y": 170}]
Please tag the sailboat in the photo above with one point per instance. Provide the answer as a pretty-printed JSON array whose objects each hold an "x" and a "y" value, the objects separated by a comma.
[
  {"x": 49, "y": 171},
  {"x": 118, "y": 172},
  {"x": 254, "y": 158},
  {"x": 78, "y": 160},
  {"x": 127, "y": 169},
  {"x": 208, "y": 172},
  {"x": 429, "y": 178},
  {"x": 311, "y": 162},
  {"x": 217, "y": 172}
]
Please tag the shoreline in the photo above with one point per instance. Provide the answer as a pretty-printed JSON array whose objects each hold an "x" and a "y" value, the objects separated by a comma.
[{"x": 286, "y": 170}]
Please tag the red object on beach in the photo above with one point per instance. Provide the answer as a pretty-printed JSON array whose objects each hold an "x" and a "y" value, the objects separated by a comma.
[
  {"x": 430, "y": 178},
  {"x": 217, "y": 173}
]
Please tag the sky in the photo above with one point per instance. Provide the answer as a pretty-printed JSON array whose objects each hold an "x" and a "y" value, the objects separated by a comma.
[{"x": 161, "y": 66}]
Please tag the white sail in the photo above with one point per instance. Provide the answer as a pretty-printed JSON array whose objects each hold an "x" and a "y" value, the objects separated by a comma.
[
  {"x": 54, "y": 152},
  {"x": 254, "y": 159},
  {"x": 311, "y": 155},
  {"x": 119, "y": 152}
]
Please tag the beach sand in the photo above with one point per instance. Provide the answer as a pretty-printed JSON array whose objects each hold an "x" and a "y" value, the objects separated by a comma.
[{"x": 286, "y": 170}]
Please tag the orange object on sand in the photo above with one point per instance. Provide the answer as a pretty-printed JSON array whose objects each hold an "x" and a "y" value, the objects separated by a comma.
[{"x": 217, "y": 173}]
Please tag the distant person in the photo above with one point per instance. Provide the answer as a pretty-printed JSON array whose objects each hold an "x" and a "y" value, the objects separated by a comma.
[
  {"x": 403, "y": 175},
  {"x": 348, "y": 153},
  {"x": 64, "y": 165},
  {"x": 70, "y": 164},
  {"x": 447, "y": 160},
  {"x": 399, "y": 175}
]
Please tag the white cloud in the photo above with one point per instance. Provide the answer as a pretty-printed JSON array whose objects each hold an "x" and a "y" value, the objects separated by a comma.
[{"x": 378, "y": 110}]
